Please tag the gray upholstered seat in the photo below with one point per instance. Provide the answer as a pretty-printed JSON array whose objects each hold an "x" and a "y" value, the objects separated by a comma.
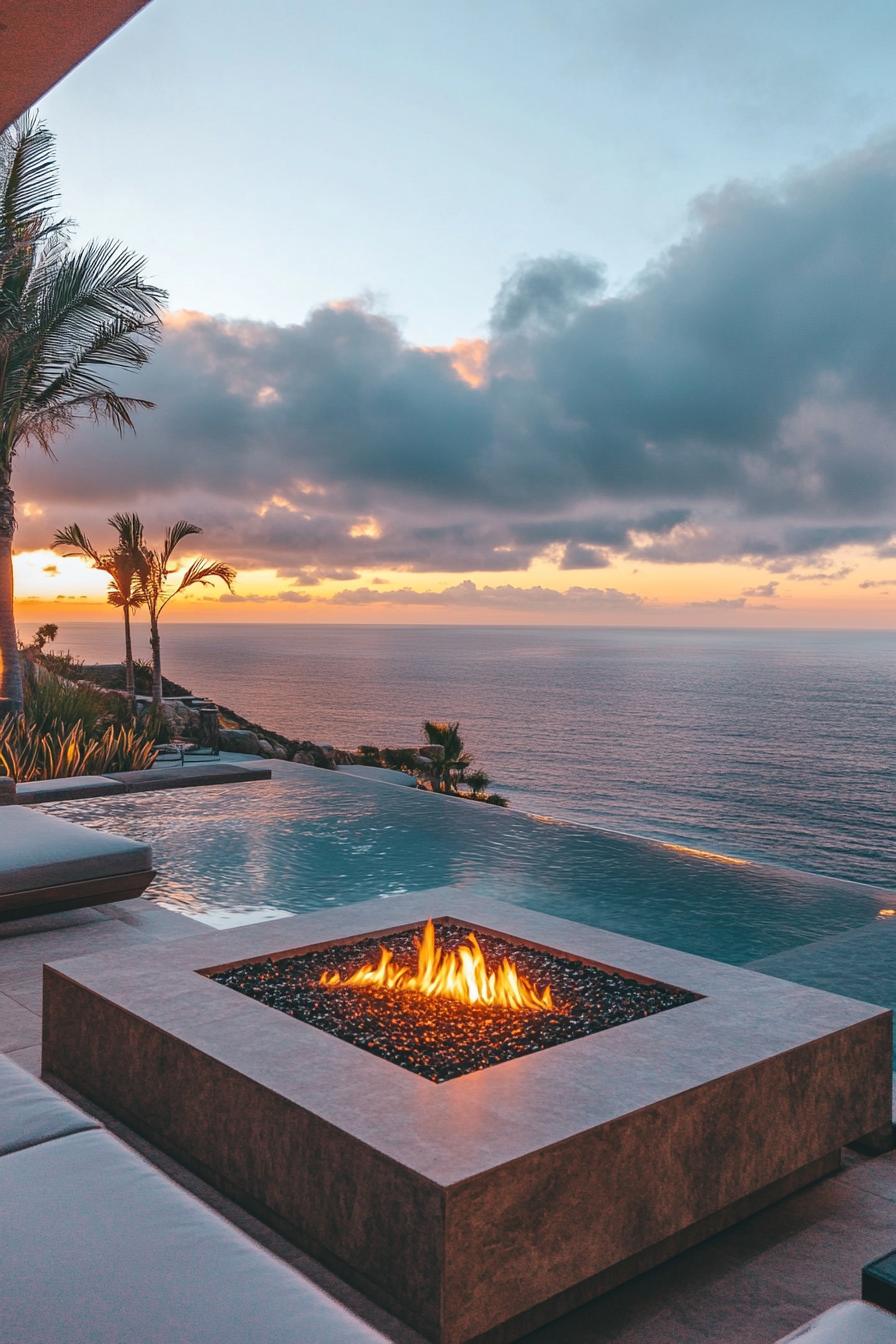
[
  {"x": 189, "y": 776},
  {"x": 37, "y": 850},
  {"x": 58, "y": 790},
  {"x": 47, "y": 861},
  {"x": 107, "y": 1249},
  {"x": 847, "y": 1323},
  {"x": 31, "y": 1113}
]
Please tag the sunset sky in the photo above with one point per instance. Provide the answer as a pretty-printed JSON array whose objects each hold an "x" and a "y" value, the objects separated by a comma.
[{"x": 518, "y": 311}]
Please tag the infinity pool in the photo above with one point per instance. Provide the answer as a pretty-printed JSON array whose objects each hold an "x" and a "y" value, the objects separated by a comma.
[{"x": 310, "y": 838}]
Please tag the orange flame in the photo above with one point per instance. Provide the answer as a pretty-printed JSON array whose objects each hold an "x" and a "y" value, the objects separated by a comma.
[{"x": 462, "y": 975}]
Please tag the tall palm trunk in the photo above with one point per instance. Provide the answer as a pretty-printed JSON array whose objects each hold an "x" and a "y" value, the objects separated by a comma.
[
  {"x": 129, "y": 686},
  {"x": 156, "y": 645},
  {"x": 11, "y": 694}
]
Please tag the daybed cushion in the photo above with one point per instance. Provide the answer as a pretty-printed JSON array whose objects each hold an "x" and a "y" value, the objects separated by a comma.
[
  {"x": 37, "y": 851},
  {"x": 104, "y": 1249},
  {"x": 189, "y": 776},
  {"x": 31, "y": 1112},
  {"x": 58, "y": 790},
  {"x": 847, "y": 1323}
]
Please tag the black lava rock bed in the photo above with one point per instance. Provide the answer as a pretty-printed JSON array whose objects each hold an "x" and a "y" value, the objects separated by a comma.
[{"x": 441, "y": 1038}]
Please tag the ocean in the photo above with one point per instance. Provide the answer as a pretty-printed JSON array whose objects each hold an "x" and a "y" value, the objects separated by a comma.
[{"x": 768, "y": 745}]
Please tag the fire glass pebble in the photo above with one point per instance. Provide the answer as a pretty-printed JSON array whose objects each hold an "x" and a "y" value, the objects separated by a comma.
[{"x": 441, "y": 1039}]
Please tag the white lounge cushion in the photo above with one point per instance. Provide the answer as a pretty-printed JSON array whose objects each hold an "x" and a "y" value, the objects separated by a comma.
[
  {"x": 37, "y": 851},
  {"x": 847, "y": 1323},
  {"x": 31, "y": 1112},
  {"x": 101, "y": 1248}
]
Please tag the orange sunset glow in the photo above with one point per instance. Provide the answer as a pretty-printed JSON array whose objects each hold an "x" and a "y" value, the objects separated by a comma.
[{"x": 51, "y": 587}]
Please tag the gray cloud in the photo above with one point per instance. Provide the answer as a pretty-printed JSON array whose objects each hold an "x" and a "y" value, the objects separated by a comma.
[
  {"x": 762, "y": 590},
  {"x": 734, "y": 604},
  {"x": 736, "y": 403},
  {"x": 724, "y": 603},
  {"x": 505, "y": 595},
  {"x": 821, "y": 575}
]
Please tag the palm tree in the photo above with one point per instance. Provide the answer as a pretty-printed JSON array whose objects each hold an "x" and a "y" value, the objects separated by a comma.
[
  {"x": 478, "y": 782},
  {"x": 452, "y": 761},
  {"x": 119, "y": 564},
  {"x": 153, "y": 569},
  {"x": 66, "y": 317}
]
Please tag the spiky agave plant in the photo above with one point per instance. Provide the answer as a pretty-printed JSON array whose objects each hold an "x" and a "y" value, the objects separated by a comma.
[{"x": 29, "y": 751}]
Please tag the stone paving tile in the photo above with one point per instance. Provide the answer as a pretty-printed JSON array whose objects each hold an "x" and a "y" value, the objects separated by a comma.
[
  {"x": 18, "y": 1025},
  {"x": 62, "y": 919},
  {"x": 154, "y": 920},
  {"x": 18, "y": 954},
  {"x": 27, "y": 1058},
  {"x": 878, "y": 1177},
  {"x": 27, "y": 988}
]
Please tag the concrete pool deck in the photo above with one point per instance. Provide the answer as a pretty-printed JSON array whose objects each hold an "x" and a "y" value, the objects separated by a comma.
[
  {"x": 747, "y": 1285},
  {"x": 646, "y": 1137},
  {"x": 750, "y": 1284}
]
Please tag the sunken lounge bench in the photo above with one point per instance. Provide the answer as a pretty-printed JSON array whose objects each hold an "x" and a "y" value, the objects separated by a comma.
[
  {"x": 50, "y": 864},
  {"x": 102, "y": 1248}
]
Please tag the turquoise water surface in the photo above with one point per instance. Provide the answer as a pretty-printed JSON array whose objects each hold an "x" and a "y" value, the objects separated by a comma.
[{"x": 310, "y": 838}]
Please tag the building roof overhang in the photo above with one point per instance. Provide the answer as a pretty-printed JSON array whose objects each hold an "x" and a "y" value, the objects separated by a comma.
[{"x": 42, "y": 40}]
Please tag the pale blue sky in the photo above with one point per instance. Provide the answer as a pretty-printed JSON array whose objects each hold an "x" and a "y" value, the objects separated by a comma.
[{"x": 269, "y": 155}]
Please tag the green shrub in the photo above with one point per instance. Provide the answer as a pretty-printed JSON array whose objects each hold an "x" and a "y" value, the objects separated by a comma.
[
  {"x": 142, "y": 676},
  {"x": 154, "y": 725},
  {"x": 49, "y": 701},
  {"x": 62, "y": 664},
  {"x": 399, "y": 758}
]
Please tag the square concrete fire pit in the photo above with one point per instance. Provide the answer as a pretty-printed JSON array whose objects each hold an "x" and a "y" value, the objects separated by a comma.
[{"x": 480, "y": 1206}]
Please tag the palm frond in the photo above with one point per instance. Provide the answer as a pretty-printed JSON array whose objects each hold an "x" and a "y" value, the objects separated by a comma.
[
  {"x": 117, "y": 598},
  {"x": 130, "y": 531},
  {"x": 74, "y": 536},
  {"x": 67, "y": 316},
  {"x": 174, "y": 535},
  {"x": 28, "y": 173},
  {"x": 202, "y": 572}
]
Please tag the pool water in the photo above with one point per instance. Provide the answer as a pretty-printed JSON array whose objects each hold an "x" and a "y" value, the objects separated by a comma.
[{"x": 310, "y": 838}]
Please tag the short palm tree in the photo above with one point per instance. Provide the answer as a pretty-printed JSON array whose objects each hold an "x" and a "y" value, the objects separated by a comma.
[
  {"x": 478, "y": 782},
  {"x": 67, "y": 317},
  {"x": 452, "y": 761},
  {"x": 119, "y": 564},
  {"x": 154, "y": 569}
]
